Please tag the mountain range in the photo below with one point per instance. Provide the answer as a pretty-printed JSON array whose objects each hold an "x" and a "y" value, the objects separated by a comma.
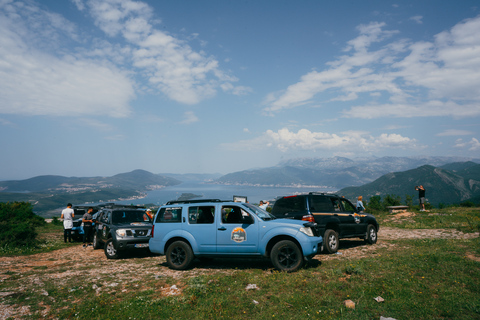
[
  {"x": 332, "y": 173},
  {"x": 446, "y": 179}
]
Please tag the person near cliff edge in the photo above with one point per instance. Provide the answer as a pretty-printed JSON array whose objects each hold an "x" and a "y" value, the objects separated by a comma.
[
  {"x": 67, "y": 216},
  {"x": 421, "y": 196}
]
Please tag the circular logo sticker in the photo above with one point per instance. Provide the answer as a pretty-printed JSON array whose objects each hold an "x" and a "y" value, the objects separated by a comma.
[{"x": 239, "y": 235}]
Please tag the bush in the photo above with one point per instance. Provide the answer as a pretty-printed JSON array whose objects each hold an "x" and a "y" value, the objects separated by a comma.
[
  {"x": 17, "y": 224},
  {"x": 374, "y": 203}
]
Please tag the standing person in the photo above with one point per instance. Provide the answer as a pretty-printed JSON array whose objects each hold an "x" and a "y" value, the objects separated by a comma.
[
  {"x": 67, "y": 216},
  {"x": 360, "y": 207},
  {"x": 87, "y": 227},
  {"x": 421, "y": 196},
  {"x": 263, "y": 204}
]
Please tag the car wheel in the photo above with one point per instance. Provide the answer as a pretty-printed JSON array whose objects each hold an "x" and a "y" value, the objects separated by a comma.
[
  {"x": 110, "y": 250},
  {"x": 179, "y": 255},
  {"x": 331, "y": 242},
  {"x": 286, "y": 256},
  {"x": 371, "y": 236},
  {"x": 96, "y": 242}
]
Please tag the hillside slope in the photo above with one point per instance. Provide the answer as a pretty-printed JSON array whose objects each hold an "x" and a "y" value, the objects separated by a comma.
[{"x": 442, "y": 186}]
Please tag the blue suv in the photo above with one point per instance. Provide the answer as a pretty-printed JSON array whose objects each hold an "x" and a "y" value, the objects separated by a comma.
[{"x": 183, "y": 230}]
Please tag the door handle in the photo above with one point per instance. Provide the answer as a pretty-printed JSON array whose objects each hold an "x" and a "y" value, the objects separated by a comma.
[{"x": 222, "y": 229}]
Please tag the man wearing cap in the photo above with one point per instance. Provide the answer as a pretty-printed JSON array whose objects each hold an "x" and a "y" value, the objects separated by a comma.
[{"x": 149, "y": 214}]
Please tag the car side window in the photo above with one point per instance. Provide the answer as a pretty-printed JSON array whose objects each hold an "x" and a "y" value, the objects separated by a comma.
[
  {"x": 171, "y": 214},
  {"x": 234, "y": 214},
  {"x": 201, "y": 214},
  {"x": 347, "y": 206},
  {"x": 336, "y": 205},
  {"x": 105, "y": 217},
  {"x": 321, "y": 204},
  {"x": 290, "y": 204}
]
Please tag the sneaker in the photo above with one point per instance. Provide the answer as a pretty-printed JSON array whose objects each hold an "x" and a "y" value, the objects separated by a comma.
[{"x": 84, "y": 245}]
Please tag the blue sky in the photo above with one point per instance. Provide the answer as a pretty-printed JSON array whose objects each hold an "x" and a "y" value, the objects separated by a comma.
[{"x": 96, "y": 88}]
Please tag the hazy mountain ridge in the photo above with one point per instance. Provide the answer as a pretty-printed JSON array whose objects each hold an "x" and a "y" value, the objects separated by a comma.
[
  {"x": 336, "y": 172},
  {"x": 51, "y": 192}
]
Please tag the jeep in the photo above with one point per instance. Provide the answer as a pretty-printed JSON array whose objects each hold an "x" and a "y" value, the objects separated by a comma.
[
  {"x": 120, "y": 228},
  {"x": 208, "y": 228},
  {"x": 335, "y": 216}
]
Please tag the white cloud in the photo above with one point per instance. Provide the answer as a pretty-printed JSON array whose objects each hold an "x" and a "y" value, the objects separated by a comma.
[
  {"x": 286, "y": 140},
  {"x": 439, "y": 78},
  {"x": 472, "y": 145},
  {"x": 189, "y": 118},
  {"x": 417, "y": 19},
  {"x": 168, "y": 63},
  {"x": 47, "y": 68},
  {"x": 35, "y": 82}
]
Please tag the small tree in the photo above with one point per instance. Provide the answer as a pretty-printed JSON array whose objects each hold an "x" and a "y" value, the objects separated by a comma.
[{"x": 375, "y": 203}]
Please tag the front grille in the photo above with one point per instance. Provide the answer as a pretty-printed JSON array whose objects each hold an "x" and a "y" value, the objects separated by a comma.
[{"x": 141, "y": 233}]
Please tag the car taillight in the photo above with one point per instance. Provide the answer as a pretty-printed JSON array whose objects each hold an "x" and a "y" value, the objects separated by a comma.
[
  {"x": 153, "y": 227},
  {"x": 308, "y": 218}
]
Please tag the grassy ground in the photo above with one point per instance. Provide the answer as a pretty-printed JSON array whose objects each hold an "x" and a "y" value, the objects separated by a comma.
[{"x": 418, "y": 279}]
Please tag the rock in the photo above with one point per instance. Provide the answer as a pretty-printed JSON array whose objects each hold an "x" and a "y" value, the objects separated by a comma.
[{"x": 349, "y": 304}]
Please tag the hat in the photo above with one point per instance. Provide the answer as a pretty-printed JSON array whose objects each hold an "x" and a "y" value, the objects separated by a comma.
[{"x": 149, "y": 210}]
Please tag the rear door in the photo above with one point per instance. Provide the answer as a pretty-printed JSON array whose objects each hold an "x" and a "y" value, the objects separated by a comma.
[{"x": 201, "y": 225}]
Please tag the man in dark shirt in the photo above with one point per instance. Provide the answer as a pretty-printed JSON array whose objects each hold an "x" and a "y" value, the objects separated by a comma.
[
  {"x": 421, "y": 196},
  {"x": 87, "y": 227}
]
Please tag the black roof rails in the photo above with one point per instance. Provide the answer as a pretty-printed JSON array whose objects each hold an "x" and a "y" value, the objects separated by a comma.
[
  {"x": 116, "y": 206},
  {"x": 192, "y": 201}
]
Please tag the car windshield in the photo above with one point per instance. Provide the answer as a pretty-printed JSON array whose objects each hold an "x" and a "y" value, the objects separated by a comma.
[
  {"x": 129, "y": 216},
  {"x": 262, "y": 214}
]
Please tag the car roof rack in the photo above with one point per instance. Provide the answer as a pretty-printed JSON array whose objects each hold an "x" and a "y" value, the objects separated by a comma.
[
  {"x": 118, "y": 206},
  {"x": 194, "y": 201}
]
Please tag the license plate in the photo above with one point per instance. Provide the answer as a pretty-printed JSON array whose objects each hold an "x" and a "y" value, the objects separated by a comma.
[{"x": 141, "y": 245}]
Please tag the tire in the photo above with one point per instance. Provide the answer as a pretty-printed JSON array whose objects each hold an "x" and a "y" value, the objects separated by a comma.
[
  {"x": 331, "y": 241},
  {"x": 371, "y": 236},
  {"x": 110, "y": 250},
  {"x": 286, "y": 256},
  {"x": 179, "y": 255},
  {"x": 96, "y": 241}
]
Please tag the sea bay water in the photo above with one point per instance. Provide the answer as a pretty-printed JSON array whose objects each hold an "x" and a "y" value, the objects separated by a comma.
[{"x": 223, "y": 192}]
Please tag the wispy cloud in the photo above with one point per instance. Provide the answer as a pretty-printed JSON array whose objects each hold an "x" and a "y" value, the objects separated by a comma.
[
  {"x": 438, "y": 78},
  {"x": 189, "y": 118},
  {"x": 454, "y": 132},
  {"x": 286, "y": 140},
  {"x": 472, "y": 145},
  {"x": 50, "y": 67}
]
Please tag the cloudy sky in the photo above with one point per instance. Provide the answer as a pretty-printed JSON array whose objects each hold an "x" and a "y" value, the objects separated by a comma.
[{"x": 100, "y": 87}]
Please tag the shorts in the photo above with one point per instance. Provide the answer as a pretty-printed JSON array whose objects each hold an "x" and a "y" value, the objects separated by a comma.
[{"x": 422, "y": 200}]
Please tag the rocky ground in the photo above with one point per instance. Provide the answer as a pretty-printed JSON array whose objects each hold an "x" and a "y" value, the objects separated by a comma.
[{"x": 76, "y": 267}]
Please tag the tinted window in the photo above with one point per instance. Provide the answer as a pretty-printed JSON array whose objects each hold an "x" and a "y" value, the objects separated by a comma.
[
  {"x": 321, "y": 204},
  {"x": 128, "y": 216},
  {"x": 290, "y": 204},
  {"x": 234, "y": 214},
  {"x": 173, "y": 214},
  {"x": 201, "y": 214}
]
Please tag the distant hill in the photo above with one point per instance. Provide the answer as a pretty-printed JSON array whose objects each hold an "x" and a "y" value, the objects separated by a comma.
[
  {"x": 442, "y": 185},
  {"x": 51, "y": 192},
  {"x": 335, "y": 173}
]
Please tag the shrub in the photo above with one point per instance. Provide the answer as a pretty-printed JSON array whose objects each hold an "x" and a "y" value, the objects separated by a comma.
[{"x": 17, "y": 224}]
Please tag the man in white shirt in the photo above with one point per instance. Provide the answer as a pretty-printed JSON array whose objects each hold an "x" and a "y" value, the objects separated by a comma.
[
  {"x": 264, "y": 205},
  {"x": 67, "y": 216}
]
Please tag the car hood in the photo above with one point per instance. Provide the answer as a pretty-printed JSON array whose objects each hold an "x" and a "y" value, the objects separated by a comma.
[{"x": 134, "y": 224}]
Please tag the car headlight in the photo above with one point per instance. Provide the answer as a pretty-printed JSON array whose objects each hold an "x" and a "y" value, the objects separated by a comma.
[
  {"x": 121, "y": 232},
  {"x": 307, "y": 230}
]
